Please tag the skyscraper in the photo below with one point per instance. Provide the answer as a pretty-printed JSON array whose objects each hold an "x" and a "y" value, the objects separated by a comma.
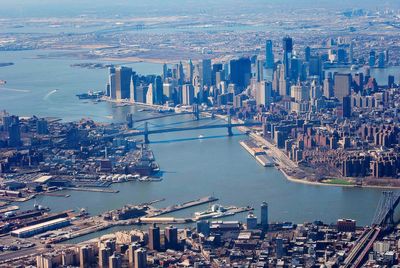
[
  {"x": 154, "y": 238},
  {"x": 264, "y": 93},
  {"x": 269, "y": 55},
  {"x": 150, "y": 95},
  {"x": 240, "y": 72},
  {"x": 372, "y": 58},
  {"x": 287, "y": 44},
  {"x": 141, "y": 258},
  {"x": 14, "y": 135},
  {"x": 342, "y": 85},
  {"x": 259, "y": 70},
  {"x": 187, "y": 94},
  {"x": 205, "y": 72},
  {"x": 171, "y": 237},
  {"x": 122, "y": 83},
  {"x": 111, "y": 82},
  {"x": 264, "y": 215},
  {"x": 307, "y": 53},
  {"x": 158, "y": 90}
]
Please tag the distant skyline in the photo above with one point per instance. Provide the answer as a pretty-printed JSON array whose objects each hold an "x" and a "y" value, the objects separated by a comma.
[{"x": 65, "y": 8}]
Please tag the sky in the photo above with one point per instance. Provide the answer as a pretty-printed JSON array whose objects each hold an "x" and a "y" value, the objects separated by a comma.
[{"x": 62, "y": 8}]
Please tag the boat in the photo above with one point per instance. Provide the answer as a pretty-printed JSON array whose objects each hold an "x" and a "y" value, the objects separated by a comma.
[
  {"x": 3, "y": 82},
  {"x": 90, "y": 95},
  {"x": 200, "y": 136}
]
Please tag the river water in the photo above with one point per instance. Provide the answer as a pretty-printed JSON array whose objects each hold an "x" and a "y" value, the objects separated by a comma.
[{"x": 193, "y": 167}]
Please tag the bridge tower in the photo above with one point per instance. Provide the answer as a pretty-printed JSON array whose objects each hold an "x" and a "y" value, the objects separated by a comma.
[
  {"x": 146, "y": 133},
  {"x": 196, "y": 111},
  {"x": 230, "y": 133},
  {"x": 129, "y": 120},
  {"x": 384, "y": 214}
]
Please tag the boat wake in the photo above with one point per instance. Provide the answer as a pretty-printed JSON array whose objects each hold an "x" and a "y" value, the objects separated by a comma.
[
  {"x": 14, "y": 89},
  {"x": 49, "y": 94}
]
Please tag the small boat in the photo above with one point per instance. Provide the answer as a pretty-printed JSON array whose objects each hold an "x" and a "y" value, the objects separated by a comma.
[{"x": 200, "y": 136}]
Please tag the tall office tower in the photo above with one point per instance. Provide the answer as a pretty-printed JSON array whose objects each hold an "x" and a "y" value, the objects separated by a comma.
[
  {"x": 216, "y": 68},
  {"x": 341, "y": 55},
  {"x": 154, "y": 238},
  {"x": 259, "y": 70},
  {"x": 295, "y": 69},
  {"x": 358, "y": 82},
  {"x": 328, "y": 87},
  {"x": 269, "y": 55},
  {"x": 251, "y": 221},
  {"x": 122, "y": 82},
  {"x": 372, "y": 58},
  {"x": 346, "y": 106},
  {"x": 14, "y": 135},
  {"x": 307, "y": 54},
  {"x": 187, "y": 94},
  {"x": 381, "y": 60},
  {"x": 165, "y": 71},
  {"x": 131, "y": 253},
  {"x": 158, "y": 90},
  {"x": 264, "y": 215},
  {"x": 205, "y": 72},
  {"x": 171, "y": 237},
  {"x": 141, "y": 93},
  {"x": 284, "y": 84},
  {"x": 315, "y": 90},
  {"x": 150, "y": 94},
  {"x": 42, "y": 127},
  {"x": 315, "y": 67},
  {"x": 132, "y": 88},
  {"x": 141, "y": 258},
  {"x": 181, "y": 74},
  {"x": 219, "y": 77},
  {"x": 264, "y": 93},
  {"x": 203, "y": 227},
  {"x": 189, "y": 72},
  {"x": 168, "y": 91},
  {"x": 115, "y": 261},
  {"x": 279, "y": 247},
  {"x": 351, "y": 52},
  {"x": 342, "y": 85},
  {"x": 387, "y": 55},
  {"x": 104, "y": 255},
  {"x": 240, "y": 72},
  {"x": 390, "y": 81},
  {"x": 276, "y": 79},
  {"x": 111, "y": 81},
  {"x": 287, "y": 44},
  {"x": 86, "y": 256},
  {"x": 299, "y": 93}
]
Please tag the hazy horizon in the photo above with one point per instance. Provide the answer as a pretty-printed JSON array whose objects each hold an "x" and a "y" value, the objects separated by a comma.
[{"x": 65, "y": 8}]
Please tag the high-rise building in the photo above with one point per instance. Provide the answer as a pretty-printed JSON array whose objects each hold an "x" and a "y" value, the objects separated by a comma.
[
  {"x": 158, "y": 90},
  {"x": 381, "y": 60},
  {"x": 86, "y": 256},
  {"x": 171, "y": 237},
  {"x": 165, "y": 71},
  {"x": 104, "y": 255},
  {"x": 287, "y": 44},
  {"x": 346, "y": 106},
  {"x": 351, "y": 52},
  {"x": 264, "y": 93},
  {"x": 141, "y": 258},
  {"x": 122, "y": 83},
  {"x": 115, "y": 261},
  {"x": 132, "y": 88},
  {"x": 264, "y": 215},
  {"x": 111, "y": 82},
  {"x": 203, "y": 227},
  {"x": 154, "y": 238},
  {"x": 372, "y": 58},
  {"x": 358, "y": 82},
  {"x": 251, "y": 221},
  {"x": 259, "y": 70},
  {"x": 205, "y": 72},
  {"x": 240, "y": 72},
  {"x": 41, "y": 126},
  {"x": 150, "y": 95},
  {"x": 131, "y": 253},
  {"x": 14, "y": 135},
  {"x": 307, "y": 53},
  {"x": 299, "y": 93},
  {"x": 269, "y": 55},
  {"x": 342, "y": 85},
  {"x": 216, "y": 68},
  {"x": 187, "y": 94}
]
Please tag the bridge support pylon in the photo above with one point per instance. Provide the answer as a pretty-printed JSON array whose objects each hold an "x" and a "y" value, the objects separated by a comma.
[
  {"x": 146, "y": 133},
  {"x": 196, "y": 112},
  {"x": 230, "y": 133}
]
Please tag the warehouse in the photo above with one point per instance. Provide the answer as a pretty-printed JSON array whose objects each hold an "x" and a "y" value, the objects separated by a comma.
[{"x": 40, "y": 228}]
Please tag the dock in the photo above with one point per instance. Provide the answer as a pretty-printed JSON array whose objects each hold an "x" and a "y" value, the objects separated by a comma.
[
  {"x": 258, "y": 153},
  {"x": 189, "y": 204},
  {"x": 83, "y": 189},
  {"x": 8, "y": 209}
]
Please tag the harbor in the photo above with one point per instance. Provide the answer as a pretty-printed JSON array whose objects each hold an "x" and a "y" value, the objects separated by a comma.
[{"x": 258, "y": 153}]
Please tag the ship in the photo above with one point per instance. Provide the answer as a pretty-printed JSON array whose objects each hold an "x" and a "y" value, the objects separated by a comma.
[
  {"x": 3, "y": 82},
  {"x": 90, "y": 95},
  {"x": 215, "y": 211}
]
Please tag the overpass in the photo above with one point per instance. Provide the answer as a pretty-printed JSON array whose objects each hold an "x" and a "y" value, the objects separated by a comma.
[
  {"x": 383, "y": 219},
  {"x": 146, "y": 132}
]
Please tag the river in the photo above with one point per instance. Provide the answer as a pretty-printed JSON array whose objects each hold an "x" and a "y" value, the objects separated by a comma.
[{"x": 193, "y": 167}]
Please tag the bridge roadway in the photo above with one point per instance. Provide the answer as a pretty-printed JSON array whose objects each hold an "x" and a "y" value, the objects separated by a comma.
[
  {"x": 161, "y": 116},
  {"x": 146, "y": 133}
]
